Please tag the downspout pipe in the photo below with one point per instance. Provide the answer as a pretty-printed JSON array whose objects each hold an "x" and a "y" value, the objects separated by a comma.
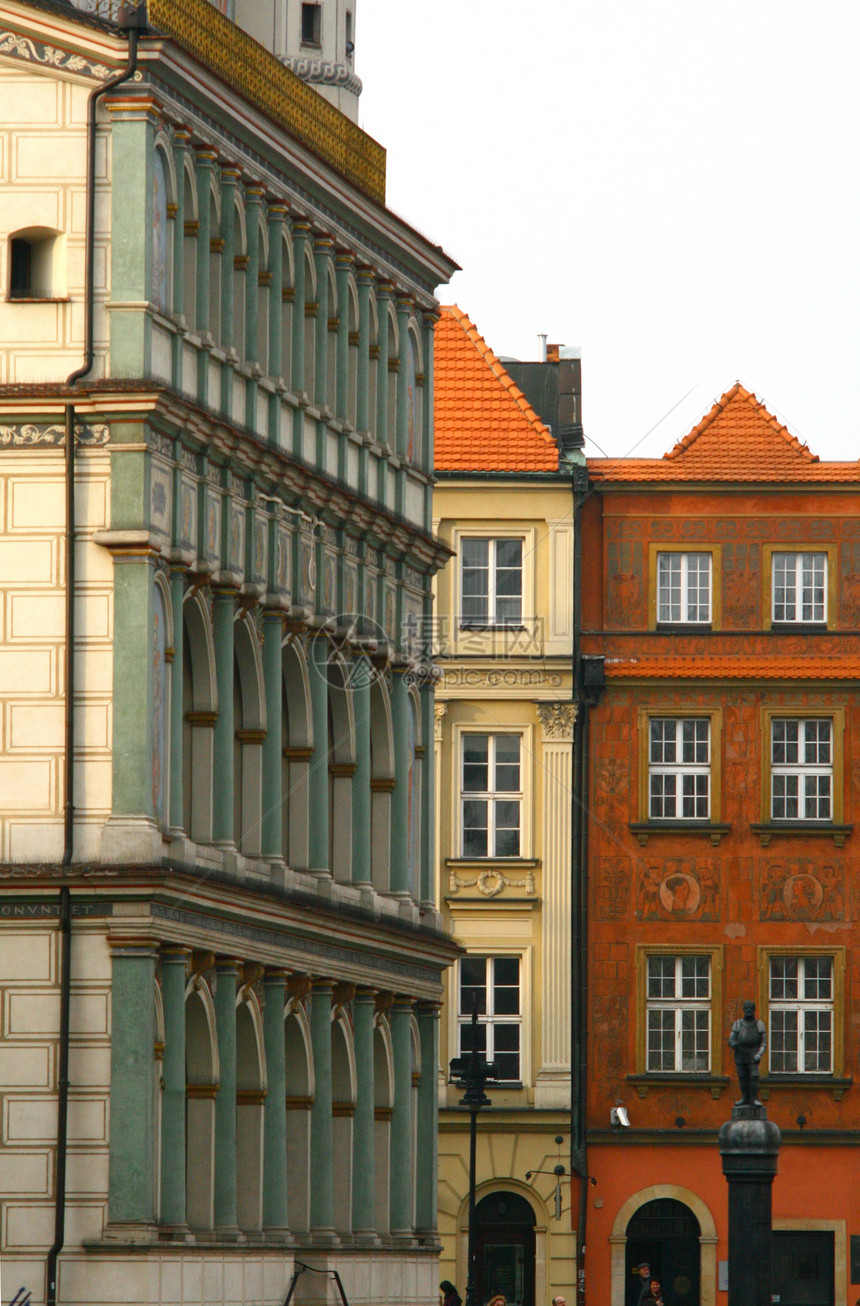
[
  {"x": 132, "y": 20},
  {"x": 578, "y": 940}
]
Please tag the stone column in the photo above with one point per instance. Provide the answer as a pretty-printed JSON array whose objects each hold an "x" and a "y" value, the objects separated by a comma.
[
  {"x": 363, "y": 1125},
  {"x": 131, "y": 1204},
  {"x": 362, "y": 677},
  {"x": 404, "y": 309},
  {"x": 552, "y": 1087},
  {"x": 749, "y": 1146},
  {"x": 428, "y": 322},
  {"x": 222, "y": 623},
  {"x": 276, "y": 218},
  {"x": 426, "y": 1198},
  {"x": 301, "y": 234},
  {"x": 383, "y": 298},
  {"x": 275, "y": 1201},
  {"x": 229, "y": 181},
  {"x": 205, "y": 169},
  {"x": 402, "y": 1174},
  {"x": 318, "y": 795},
  {"x": 273, "y": 625},
  {"x": 399, "y": 879},
  {"x": 178, "y": 817},
  {"x": 181, "y": 139},
  {"x": 226, "y": 1221},
  {"x": 253, "y": 205},
  {"x": 322, "y": 1151},
  {"x": 343, "y": 266},
  {"x": 428, "y": 800},
  {"x": 362, "y": 389},
  {"x": 323, "y": 247},
  {"x": 174, "y": 961}
]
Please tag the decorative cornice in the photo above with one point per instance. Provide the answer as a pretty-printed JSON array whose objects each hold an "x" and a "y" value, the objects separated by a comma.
[
  {"x": 15, "y": 46},
  {"x": 28, "y": 434},
  {"x": 557, "y": 721},
  {"x": 262, "y": 79},
  {"x": 323, "y": 72}
]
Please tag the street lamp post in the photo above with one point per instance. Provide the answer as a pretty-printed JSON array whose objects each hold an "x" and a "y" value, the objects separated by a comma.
[{"x": 471, "y": 1072}]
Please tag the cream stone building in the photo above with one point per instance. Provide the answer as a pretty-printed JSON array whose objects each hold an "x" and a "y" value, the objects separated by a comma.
[
  {"x": 504, "y": 723},
  {"x": 220, "y": 955}
]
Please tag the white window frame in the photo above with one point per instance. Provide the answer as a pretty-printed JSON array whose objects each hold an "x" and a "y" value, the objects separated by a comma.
[
  {"x": 678, "y": 1005},
  {"x": 489, "y": 1019},
  {"x": 492, "y": 619},
  {"x": 682, "y": 771},
  {"x": 491, "y": 795},
  {"x": 683, "y": 560},
  {"x": 799, "y": 588},
  {"x": 801, "y": 1007},
  {"x": 801, "y": 771}
]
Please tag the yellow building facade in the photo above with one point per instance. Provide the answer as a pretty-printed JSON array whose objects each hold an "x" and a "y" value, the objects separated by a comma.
[{"x": 504, "y": 756}]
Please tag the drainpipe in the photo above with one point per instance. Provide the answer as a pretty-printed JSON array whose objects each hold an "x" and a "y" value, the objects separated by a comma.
[
  {"x": 132, "y": 20},
  {"x": 578, "y": 1162}
]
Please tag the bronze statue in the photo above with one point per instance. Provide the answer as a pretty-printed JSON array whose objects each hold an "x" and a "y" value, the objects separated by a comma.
[{"x": 748, "y": 1039}]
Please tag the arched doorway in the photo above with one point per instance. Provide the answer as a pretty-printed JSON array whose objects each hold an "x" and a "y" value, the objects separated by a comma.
[
  {"x": 665, "y": 1233},
  {"x": 505, "y": 1248}
]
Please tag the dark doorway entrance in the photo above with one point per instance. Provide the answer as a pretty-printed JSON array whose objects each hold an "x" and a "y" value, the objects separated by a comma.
[
  {"x": 505, "y": 1248},
  {"x": 665, "y": 1233},
  {"x": 803, "y": 1269}
]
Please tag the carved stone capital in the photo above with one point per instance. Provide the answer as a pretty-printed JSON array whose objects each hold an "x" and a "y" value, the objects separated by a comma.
[{"x": 557, "y": 720}]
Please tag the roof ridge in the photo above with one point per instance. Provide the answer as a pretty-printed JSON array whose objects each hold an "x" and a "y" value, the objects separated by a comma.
[
  {"x": 758, "y": 407},
  {"x": 498, "y": 369}
]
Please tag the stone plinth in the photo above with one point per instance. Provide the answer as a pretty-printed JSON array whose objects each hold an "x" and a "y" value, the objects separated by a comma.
[{"x": 749, "y": 1146}]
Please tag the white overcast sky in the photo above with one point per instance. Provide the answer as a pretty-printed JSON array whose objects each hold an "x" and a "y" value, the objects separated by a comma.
[{"x": 673, "y": 185}]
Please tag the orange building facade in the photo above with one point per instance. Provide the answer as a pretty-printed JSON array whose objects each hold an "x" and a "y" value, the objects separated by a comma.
[{"x": 721, "y": 584}]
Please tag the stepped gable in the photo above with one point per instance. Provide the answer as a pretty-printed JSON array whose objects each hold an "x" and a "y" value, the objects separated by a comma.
[
  {"x": 738, "y": 440},
  {"x": 482, "y": 420}
]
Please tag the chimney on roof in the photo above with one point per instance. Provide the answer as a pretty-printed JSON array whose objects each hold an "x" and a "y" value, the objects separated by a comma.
[
  {"x": 553, "y": 387},
  {"x": 542, "y": 347}
]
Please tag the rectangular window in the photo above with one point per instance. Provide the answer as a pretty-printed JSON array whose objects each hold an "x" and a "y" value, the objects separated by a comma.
[
  {"x": 679, "y": 769},
  {"x": 678, "y": 1006},
  {"x": 492, "y": 790},
  {"x": 493, "y": 985},
  {"x": 491, "y": 582},
  {"x": 684, "y": 587},
  {"x": 311, "y": 24},
  {"x": 801, "y": 769},
  {"x": 800, "y": 587},
  {"x": 801, "y": 1015}
]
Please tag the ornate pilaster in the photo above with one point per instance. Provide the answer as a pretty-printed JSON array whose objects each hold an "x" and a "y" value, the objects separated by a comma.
[
  {"x": 273, "y": 625},
  {"x": 178, "y": 819},
  {"x": 322, "y": 1149},
  {"x": 401, "y": 436},
  {"x": 131, "y": 1212},
  {"x": 383, "y": 298},
  {"x": 426, "y": 1196},
  {"x": 323, "y": 249},
  {"x": 361, "y": 679},
  {"x": 174, "y": 962},
  {"x": 363, "y": 1136},
  {"x": 343, "y": 267},
  {"x": 400, "y": 880},
  {"x": 318, "y": 791},
  {"x": 275, "y": 1178},
  {"x": 226, "y": 1225},
  {"x": 552, "y": 1087},
  {"x": 402, "y": 1171},
  {"x": 222, "y": 623}
]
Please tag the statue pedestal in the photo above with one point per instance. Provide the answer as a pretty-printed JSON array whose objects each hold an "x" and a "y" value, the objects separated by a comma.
[{"x": 749, "y": 1146}]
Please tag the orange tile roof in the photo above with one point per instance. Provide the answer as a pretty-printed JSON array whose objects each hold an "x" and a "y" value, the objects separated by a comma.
[
  {"x": 738, "y": 440},
  {"x": 482, "y": 420},
  {"x": 735, "y": 667}
]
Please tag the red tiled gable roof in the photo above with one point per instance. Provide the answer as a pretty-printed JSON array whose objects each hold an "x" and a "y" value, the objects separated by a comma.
[
  {"x": 733, "y": 667},
  {"x": 482, "y": 420},
  {"x": 738, "y": 440}
]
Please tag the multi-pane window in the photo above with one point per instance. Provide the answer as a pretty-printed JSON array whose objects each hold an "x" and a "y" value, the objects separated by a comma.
[
  {"x": 492, "y": 984},
  {"x": 801, "y": 1015},
  {"x": 491, "y": 578},
  {"x": 801, "y": 770},
  {"x": 800, "y": 587},
  {"x": 678, "y": 1003},
  {"x": 684, "y": 587},
  {"x": 491, "y": 795},
  {"x": 679, "y": 768}
]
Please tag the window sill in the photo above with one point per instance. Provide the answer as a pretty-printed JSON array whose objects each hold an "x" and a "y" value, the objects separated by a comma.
[
  {"x": 484, "y": 625},
  {"x": 684, "y": 627},
  {"x": 644, "y": 829},
  {"x": 799, "y": 627},
  {"x": 837, "y": 1085},
  {"x": 38, "y": 299},
  {"x": 766, "y": 831},
  {"x": 716, "y": 1083},
  {"x": 483, "y": 863}
]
